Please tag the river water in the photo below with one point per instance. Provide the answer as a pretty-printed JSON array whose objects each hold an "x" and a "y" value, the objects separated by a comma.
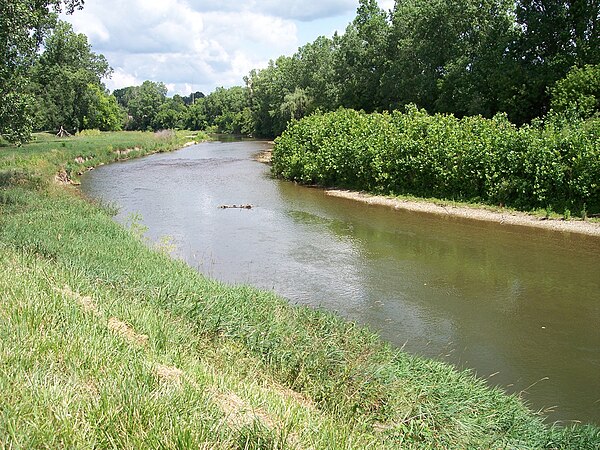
[{"x": 519, "y": 306}]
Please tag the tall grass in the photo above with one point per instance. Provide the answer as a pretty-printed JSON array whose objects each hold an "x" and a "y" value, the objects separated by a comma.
[
  {"x": 105, "y": 342},
  {"x": 48, "y": 155}
]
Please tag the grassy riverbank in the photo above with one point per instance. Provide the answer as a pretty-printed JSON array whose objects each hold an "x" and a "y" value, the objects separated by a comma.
[{"x": 105, "y": 342}]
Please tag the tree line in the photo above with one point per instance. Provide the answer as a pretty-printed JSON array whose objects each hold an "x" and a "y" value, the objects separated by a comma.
[{"x": 464, "y": 57}]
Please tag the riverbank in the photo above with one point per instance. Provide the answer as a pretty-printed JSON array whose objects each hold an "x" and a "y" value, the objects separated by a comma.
[
  {"x": 549, "y": 167},
  {"x": 108, "y": 342},
  {"x": 501, "y": 216},
  {"x": 504, "y": 216}
]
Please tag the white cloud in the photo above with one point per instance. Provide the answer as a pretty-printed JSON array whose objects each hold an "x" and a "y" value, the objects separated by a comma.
[
  {"x": 387, "y": 5},
  {"x": 182, "y": 45},
  {"x": 202, "y": 44},
  {"x": 120, "y": 78}
]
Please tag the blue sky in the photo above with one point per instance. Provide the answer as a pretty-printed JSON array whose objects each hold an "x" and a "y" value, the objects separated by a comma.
[{"x": 202, "y": 44}]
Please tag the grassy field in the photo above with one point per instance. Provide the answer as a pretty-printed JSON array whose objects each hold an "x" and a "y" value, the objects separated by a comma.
[{"x": 108, "y": 343}]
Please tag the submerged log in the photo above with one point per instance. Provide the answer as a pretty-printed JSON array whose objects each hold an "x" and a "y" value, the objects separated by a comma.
[{"x": 236, "y": 206}]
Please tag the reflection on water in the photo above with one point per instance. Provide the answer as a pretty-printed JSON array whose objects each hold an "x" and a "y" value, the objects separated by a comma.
[{"x": 524, "y": 304}]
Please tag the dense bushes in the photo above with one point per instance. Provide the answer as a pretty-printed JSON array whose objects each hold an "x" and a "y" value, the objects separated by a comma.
[
  {"x": 554, "y": 165},
  {"x": 578, "y": 94}
]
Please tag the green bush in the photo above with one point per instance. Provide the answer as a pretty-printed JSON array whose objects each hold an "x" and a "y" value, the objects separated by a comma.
[
  {"x": 578, "y": 94},
  {"x": 554, "y": 165}
]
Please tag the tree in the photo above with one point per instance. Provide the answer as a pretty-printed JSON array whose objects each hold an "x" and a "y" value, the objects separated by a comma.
[
  {"x": 62, "y": 80},
  {"x": 267, "y": 90},
  {"x": 449, "y": 56},
  {"x": 555, "y": 36},
  {"x": 191, "y": 99},
  {"x": 171, "y": 114},
  {"x": 296, "y": 105},
  {"x": 144, "y": 104},
  {"x": 123, "y": 95},
  {"x": 361, "y": 57},
  {"x": 23, "y": 25},
  {"x": 196, "y": 117},
  {"x": 102, "y": 110},
  {"x": 578, "y": 94},
  {"x": 224, "y": 110},
  {"x": 316, "y": 74}
]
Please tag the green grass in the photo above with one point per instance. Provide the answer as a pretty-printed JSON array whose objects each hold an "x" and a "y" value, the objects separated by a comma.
[
  {"x": 107, "y": 343},
  {"x": 48, "y": 155}
]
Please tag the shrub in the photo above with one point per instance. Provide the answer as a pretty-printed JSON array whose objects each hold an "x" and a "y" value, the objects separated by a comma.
[{"x": 554, "y": 165}]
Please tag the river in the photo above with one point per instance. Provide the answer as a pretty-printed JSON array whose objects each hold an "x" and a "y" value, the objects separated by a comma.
[{"x": 518, "y": 306}]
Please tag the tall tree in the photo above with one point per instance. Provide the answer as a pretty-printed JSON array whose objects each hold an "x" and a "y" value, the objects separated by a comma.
[
  {"x": 555, "y": 36},
  {"x": 102, "y": 110},
  {"x": 63, "y": 77},
  {"x": 144, "y": 104},
  {"x": 316, "y": 75},
  {"x": 267, "y": 90},
  {"x": 23, "y": 25},
  {"x": 170, "y": 114},
  {"x": 449, "y": 55},
  {"x": 361, "y": 57}
]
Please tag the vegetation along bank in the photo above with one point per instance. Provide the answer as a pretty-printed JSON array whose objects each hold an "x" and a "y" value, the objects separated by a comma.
[
  {"x": 108, "y": 342},
  {"x": 552, "y": 166}
]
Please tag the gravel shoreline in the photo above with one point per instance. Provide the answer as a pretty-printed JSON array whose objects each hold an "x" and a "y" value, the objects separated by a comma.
[{"x": 507, "y": 217}]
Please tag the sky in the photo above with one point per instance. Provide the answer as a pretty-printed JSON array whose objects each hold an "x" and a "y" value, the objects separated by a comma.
[{"x": 199, "y": 45}]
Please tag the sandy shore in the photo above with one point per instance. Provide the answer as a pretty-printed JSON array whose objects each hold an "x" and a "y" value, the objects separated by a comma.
[
  {"x": 502, "y": 217},
  {"x": 482, "y": 214}
]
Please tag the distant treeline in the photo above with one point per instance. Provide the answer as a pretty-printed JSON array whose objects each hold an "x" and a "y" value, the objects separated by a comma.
[
  {"x": 148, "y": 108},
  {"x": 464, "y": 57}
]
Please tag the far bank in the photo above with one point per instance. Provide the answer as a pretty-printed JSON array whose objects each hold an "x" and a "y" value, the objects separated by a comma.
[{"x": 485, "y": 213}]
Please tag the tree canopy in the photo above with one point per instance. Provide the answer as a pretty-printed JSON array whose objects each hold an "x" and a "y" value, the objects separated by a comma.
[
  {"x": 23, "y": 26},
  {"x": 464, "y": 57},
  {"x": 66, "y": 83}
]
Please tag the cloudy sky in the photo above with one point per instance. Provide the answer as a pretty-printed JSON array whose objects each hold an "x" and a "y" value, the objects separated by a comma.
[{"x": 202, "y": 44}]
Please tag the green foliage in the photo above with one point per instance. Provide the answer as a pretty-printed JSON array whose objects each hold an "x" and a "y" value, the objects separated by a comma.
[
  {"x": 23, "y": 25},
  {"x": 66, "y": 83},
  {"x": 144, "y": 103},
  {"x": 578, "y": 94},
  {"x": 554, "y": 35},
  {"x": 465, "y": 57},
  {"x": 222, "y": 111},
  {"x": 170, "y": 115},
  {"x": 16, "y": 122},
  {"x": 296, "y": 104},
  {"x": 103, "y": 112},
  {"x": 450, "y": 56},
  {"x": 472, "y": 159},
  {"x": 267, "y": 90},
  {"x": 361, "y": 60}
]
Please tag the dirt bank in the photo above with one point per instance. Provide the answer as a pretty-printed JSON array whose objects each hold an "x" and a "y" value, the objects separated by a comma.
[{"x": 503, "y": 217}]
